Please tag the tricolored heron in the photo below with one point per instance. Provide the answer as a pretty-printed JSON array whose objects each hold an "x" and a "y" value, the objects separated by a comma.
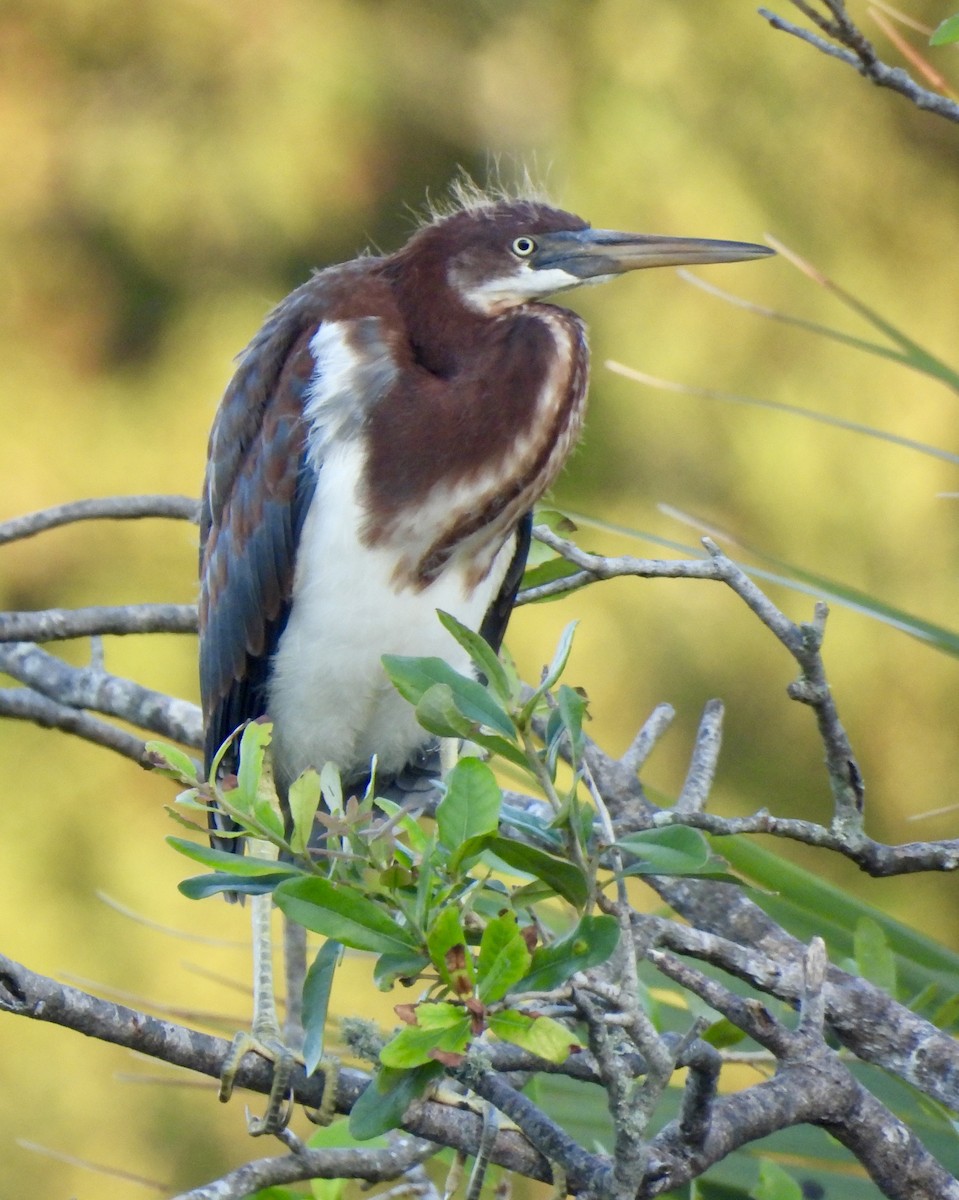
[{"x": 376, "y": 457}]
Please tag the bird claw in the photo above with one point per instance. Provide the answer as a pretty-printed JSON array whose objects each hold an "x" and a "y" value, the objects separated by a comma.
[
  {"x": 279, "y": 1105},
  {"x": 329, "y": 1068}
]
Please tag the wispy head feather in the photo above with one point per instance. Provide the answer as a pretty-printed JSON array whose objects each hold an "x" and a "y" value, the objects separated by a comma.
[{"x": 466, "y": 195}]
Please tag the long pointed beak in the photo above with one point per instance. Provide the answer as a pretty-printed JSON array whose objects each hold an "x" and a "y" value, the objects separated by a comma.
[{"x": 592, "y": 253}]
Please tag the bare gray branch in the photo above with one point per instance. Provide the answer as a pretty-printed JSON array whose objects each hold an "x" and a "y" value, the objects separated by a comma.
[
  {"x": 852, "y": 47},
  {"x": 113, "y": 508},
  {"x": 58, "y": 624},
  {"x": 370, "y": 1165},
  {"x": 24, "y": 704},
  {"x": 90, "y": 688}
]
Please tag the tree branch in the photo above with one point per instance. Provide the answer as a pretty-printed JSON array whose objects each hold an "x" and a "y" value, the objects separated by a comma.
[
  {"x": 24, "y": 704},
  {"x": 821, "y": 1087},
  {"x": 58, "y": 624},
  {"x": 25, "y": 993},
  {"x": 860, "y": 54},
  {"x": 92, "y": 688},
  {"x": 114, "y": 508},
  {"x": 723, "y": 928},
  {"x": 868, "y": 1021},
  {"x": 370, "y": 1165}
]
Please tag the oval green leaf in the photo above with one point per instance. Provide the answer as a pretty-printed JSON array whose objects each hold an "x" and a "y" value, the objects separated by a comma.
[
  {"x": 565, "y": 879},
  {"x": 344, "y": 914},
  {"x": 471, "y": 805}
]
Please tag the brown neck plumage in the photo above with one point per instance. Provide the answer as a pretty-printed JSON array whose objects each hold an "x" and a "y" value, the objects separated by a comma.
[{"x": 487, "y": 419}]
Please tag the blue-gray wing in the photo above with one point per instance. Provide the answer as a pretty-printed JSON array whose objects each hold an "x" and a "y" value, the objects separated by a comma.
[{"x": 256, "y": 494}]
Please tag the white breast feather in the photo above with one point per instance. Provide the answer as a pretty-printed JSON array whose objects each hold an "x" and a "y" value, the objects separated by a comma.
[{"x": 329, "y": 697}]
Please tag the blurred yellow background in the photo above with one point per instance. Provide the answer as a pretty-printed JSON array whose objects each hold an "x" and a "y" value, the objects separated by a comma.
[{"x": 171, "y": 168}]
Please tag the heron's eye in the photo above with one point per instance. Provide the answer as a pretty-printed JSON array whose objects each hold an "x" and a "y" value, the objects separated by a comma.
[{"x": 523, "y": 247}]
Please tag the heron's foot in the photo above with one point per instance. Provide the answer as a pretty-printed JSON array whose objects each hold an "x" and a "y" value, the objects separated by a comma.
[
  {"x": 329, "y": 1068},
  {"x": 279, "y": 1105},
  {"x": 445, "y": 1092},
  {"x": 491, "y": 1127}
]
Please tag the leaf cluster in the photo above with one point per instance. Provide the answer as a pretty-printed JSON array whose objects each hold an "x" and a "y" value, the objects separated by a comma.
[{"x": 491, "y": 910}]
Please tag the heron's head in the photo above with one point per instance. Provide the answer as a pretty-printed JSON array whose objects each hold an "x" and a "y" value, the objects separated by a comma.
[{"x": 503, "y": 254}]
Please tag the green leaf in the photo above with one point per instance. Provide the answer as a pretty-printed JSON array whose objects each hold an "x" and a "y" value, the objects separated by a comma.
[
  {"x": 548, "y": 571},
  {"x": 413, "y": 677},
  {"x": 504, "y": 958},
  {"x": 947, "y": 1013},
  {"x": 190, "y": 800},
  {"x": 186, "y": 823},
  {"x": 572, "y": 706},
  {"x": 946, "y": 32},
  {"x": 875, "y": 960},
  {"x": 539, "y": 1035},
  {"x": 561, "y": 657},
  {"x": 559, "y": 522},
  {"x": 390, "y": 967},
  {"x": 590, "y": 943},
  {"x": 565, "y": 879},
  {"x": 482, "y": 653},
  {"x": 775, "y": 1184},
  {"x": 553, "y": 671},
  {"x": 471, "y": 805},
  {"x": 723, "y": 1033},
  {"x": 316, "y": 1001},
  {"x": 532, "y": 826},
  {"x": 304, "y": 801},
  {"x": 253, "y": 745},
  {"x": 671, "y": 850},
  {"x": 440, "y": 1026},
  {"x": 266, "y": 815},
  {"x": 201, "y": 886},
  {"x": 447, "y": 933},
  {"x": 386, "y": 1098},
  {"x": 467, "y": 853},
  {"x": 171, "y": 762},
  {"x": 344, "y": 914},
  {"x": 227, "y": 860},
  {"x": 324, "y": 1189},
  {"x": 438, "y": 714},
  {"x": 331, "y": 787},
  {"x": 500, "y": 748}
]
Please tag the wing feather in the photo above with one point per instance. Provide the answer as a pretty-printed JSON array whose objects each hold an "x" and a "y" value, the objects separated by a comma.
[{"x": 258, "y": 489}]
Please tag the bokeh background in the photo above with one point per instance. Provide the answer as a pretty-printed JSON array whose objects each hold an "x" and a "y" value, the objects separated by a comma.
[{"x": 170, "y": 168}]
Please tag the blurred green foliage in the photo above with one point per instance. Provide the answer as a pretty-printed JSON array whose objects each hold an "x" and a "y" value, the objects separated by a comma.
[{"x": 170, "y": 169}]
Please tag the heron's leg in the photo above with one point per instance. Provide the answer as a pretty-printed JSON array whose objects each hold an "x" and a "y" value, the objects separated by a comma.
[
  {"x": 294, "y": 959},
  {"x": 265, "y": 1037},
  {"x": 294, "y": 941},
  {"x": 491, "y": 1127}
]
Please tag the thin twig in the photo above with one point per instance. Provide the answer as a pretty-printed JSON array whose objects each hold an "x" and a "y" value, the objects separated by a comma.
[
  {"x": 370, "y": 1165},
  {"x": 642, "y": 745},
  {"x": 852, "y": 47},
  {"x": 113, "y": 508},
  {"x": 802, "y": 641},
  {"x": 58, "y": 624},
  {"x": 702, "y": 765}
]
